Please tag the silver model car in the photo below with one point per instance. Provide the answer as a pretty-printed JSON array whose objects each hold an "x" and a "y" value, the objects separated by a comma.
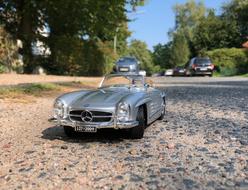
[{"x": 123, "y": 101}]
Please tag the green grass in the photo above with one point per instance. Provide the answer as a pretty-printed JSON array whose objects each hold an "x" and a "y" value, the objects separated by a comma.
[
  {"x": 29, "y": 89},
  {"x": 216, "y": 74},
  {"x": 37, "y": 88},
  {"x": 245, "y": 75}
]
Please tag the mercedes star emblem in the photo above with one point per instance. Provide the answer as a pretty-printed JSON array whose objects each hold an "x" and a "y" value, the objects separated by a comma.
[{"x": 86, "y": 116}]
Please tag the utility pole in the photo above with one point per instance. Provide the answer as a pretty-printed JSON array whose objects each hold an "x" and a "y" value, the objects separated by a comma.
[{"x": 115, "y": 39}]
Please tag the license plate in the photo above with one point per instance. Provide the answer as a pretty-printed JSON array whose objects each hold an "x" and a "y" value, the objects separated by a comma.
[
  {"x": 181, "y": 71},
  {"x": 88, "y": 129},
  {"x": 203, "y": 69},
  {"x": 124, "y": 69}
]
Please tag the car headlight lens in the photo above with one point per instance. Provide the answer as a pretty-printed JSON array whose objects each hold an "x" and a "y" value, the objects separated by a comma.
[
  {"x": 58, "y": 111},
  {"x": 123, "y": 112}
]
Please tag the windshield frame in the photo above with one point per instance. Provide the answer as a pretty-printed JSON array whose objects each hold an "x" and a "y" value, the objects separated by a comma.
[{"x": 127, "y": 76}]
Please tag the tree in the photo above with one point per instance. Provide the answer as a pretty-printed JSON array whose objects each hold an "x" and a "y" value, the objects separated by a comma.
[
  {"x": 68, "y": 21},
  {"x": 162, "y": 55},
  {"x": 122, "y": 34},
  {"x": 22, "y": 18},
  {"x": 237, "y": 12},
  {"x": 95, "y": 24},
  {"x": 139, "y": 50},
  {"x": 215, "y": 32},
  {"x": 188, "y": 15},
  {"x": 180, "y": 51},
  {"x": 8, "y": 50}
]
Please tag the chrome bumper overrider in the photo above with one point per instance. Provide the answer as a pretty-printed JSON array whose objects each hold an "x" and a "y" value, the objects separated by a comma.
[{"x": 114, "y": 125}]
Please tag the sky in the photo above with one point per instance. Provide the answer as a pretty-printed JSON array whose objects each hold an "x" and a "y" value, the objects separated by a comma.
[{"x": 153, "y": 21}]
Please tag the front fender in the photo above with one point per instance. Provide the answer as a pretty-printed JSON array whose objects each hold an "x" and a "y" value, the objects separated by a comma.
[{"x": 142, "y": 102}]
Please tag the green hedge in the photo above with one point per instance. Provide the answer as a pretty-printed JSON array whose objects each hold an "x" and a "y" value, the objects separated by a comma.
[
  {"x": 231, "y": 61},
  {"x": 2, "y": 68}
]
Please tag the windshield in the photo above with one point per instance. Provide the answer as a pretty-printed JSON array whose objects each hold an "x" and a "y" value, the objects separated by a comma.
[
  {"x": 202, "y": 61},
  {"x": 123, "y": 80},
  {"x": 127, "y": 61}
]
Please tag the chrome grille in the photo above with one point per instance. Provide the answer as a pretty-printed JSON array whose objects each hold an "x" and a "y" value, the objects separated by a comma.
[{"x": 97, "y": 116}]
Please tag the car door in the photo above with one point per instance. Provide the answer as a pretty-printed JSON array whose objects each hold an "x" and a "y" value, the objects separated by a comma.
[{"x": 155, "y": 104}]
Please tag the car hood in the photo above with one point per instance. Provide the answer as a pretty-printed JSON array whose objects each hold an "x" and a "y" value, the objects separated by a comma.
[{"x": 101, "y": 98}]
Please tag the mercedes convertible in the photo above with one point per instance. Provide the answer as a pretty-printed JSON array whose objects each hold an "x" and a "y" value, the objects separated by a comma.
[{"x": 122, "y": 101}]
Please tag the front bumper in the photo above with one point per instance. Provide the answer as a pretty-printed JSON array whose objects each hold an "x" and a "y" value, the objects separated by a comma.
[{"x": 103, "y": 125}]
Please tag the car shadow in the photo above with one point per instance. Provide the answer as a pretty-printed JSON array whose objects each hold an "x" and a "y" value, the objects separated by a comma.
[{"x": 102, "y": 135}]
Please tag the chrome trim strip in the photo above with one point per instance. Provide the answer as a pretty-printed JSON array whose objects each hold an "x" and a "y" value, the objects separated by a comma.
[
  {"x": 92, "y": 116},
  {"x": 113, "y": 124}
]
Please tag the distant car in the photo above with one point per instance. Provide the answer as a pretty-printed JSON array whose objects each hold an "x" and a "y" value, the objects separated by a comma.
[
  {"x": 179, "y": 71},
  {"x": 169, "y": 72},
  {"x": 200, "y": 66},
  {"x": 142, "y": 72},
  {"x": 127, "y": 65},
  {"x": 123, "y": 101},
  {"x": 158, "y": 74}
]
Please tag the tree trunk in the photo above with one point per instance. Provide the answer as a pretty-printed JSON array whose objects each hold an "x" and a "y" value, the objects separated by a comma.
[{"x": 26, "y": 35}]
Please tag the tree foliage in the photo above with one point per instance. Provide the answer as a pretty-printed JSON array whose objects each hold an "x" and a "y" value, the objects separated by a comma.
[
  {"x": 231, "y": 61},
  {"x": 162, "y": 56},
  {"x": 180, "y": 51},
  {"x": 8, "y": 51},
  {"x": 237, "y": 11},
  {"x": 188, "y": 15},
  {"x": 200, "y": 31},
  {"x": 72, "y": 26},
  {"x": 139, "y": 50},
  {"x": 214, "y": 32}
]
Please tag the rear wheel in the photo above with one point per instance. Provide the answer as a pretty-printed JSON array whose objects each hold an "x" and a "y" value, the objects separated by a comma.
[
  {"x": 137, "y": 132},
  {"x": 69, "y": 131}
]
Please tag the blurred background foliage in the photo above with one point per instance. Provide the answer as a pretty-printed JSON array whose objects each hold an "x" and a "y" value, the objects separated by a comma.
[
  {"x": 200, "y": 32},
  {"x": 77, "y": 37},
  {"x": 231, "y": 61}
]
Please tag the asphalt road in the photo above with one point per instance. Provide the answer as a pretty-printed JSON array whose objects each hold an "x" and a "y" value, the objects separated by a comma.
[{"x": 201, "y": 144}]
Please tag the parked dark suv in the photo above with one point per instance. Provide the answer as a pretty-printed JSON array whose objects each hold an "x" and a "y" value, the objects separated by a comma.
[
  {"x": 200, "y": 66},
  {"x": 127, "y": 65}
]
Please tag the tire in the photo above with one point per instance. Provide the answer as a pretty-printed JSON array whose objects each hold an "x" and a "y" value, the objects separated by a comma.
[
  {"x": 163, "y": 112},
  {"x": 137, "y": 132},
  {"x": 69, "y": 131}
]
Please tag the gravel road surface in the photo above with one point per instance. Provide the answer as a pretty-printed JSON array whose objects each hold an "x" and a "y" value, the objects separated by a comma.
[{"x": 201, "y": 144}]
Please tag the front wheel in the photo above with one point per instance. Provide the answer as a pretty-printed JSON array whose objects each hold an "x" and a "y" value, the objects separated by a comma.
[{"x": 137, "y": 132}]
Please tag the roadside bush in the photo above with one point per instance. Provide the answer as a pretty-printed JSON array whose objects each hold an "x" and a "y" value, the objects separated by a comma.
[
  {"x": 2, "y": 68},
  {"x": 231, "y": 61}
]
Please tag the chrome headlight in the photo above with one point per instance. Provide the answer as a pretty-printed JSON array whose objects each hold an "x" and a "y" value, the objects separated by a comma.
[
  {"x": 58, "y": 111},
  {"x": 123, "y": 112}
]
